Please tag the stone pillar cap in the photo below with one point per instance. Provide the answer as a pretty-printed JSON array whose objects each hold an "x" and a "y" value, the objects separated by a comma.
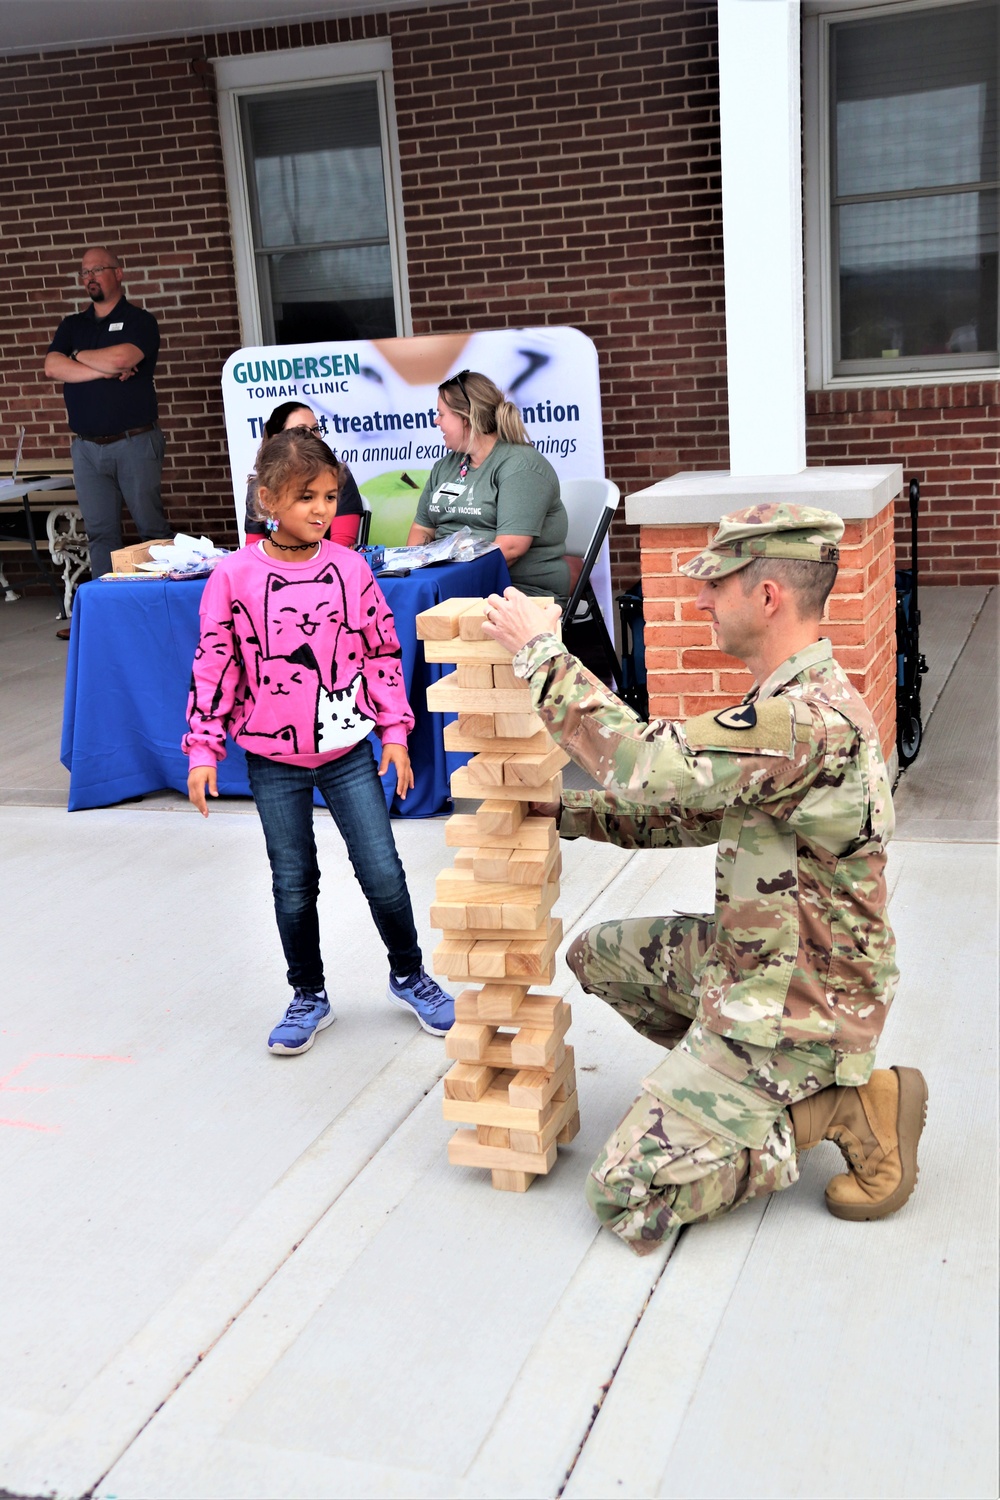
[{"x": 854, "y": 493}]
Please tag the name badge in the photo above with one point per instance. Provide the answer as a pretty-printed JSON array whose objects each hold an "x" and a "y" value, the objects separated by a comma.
[{"x": 115, "y": 327}]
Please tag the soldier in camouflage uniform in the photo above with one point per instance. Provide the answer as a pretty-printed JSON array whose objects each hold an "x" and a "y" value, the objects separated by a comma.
[{"x": 770, "y": 1009}]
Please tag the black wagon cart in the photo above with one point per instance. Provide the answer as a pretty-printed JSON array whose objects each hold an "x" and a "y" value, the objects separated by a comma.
[{"x": 910, "y": 662}]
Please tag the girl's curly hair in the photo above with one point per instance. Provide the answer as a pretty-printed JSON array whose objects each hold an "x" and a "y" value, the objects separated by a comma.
[{"x": 292, "y": 457}]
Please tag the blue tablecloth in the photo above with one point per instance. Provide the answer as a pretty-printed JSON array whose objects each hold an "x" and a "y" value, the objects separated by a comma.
[{"x": 129, "y": 671}]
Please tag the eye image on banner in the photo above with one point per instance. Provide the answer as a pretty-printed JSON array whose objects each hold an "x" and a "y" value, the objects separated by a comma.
[{"x": 376, "y": 400}]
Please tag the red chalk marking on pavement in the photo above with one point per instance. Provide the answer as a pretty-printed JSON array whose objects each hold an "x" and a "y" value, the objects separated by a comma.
[
  {"x": 30, "y": 1125},
  {"x": 7, "y": 1087}
]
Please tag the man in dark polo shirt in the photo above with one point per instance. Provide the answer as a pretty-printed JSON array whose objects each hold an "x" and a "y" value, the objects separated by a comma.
[{"x": 105, "y": 357}]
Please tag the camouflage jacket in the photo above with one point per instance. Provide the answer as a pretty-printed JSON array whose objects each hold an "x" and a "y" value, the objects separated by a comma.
[{"x": 796, "y": 795}]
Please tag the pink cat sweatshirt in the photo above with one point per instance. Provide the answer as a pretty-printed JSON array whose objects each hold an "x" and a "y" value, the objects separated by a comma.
[{"x": 297, "y": 660}]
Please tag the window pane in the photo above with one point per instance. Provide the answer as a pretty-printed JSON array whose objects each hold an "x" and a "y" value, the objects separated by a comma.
[
  {"x": 916, "y": 101},
  {"x": 918, "y": 276},
  {"x": 338, "y": 294},
  {"x": 315, "y": 172}
]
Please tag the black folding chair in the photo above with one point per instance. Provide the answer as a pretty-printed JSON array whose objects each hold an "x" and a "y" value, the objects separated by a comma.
[{"x": 590, "y": 505}]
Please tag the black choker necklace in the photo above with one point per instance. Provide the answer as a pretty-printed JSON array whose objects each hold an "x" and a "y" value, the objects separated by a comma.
[{"x": 300, "y": 547}]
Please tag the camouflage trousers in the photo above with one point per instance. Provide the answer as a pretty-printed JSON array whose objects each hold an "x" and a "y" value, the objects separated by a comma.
[{"x": 711, "y": 1128}]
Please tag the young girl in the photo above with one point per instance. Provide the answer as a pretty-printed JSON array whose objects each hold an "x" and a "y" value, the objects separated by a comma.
[
  {"x": 349, "y": 508},
  {"x": 298, "y": 659}
]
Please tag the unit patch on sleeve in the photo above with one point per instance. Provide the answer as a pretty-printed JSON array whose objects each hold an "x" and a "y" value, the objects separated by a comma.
[
  {"x": 742, "y": 716},
  {"x": 762, "y": 728}
]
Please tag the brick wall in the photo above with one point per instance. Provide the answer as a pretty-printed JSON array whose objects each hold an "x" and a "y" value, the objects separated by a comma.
[
  {"x": 688, "y": 675},
  {"x": 569, "y": 173},
  {"x": 122, "y": 147},
  {"x": 560, "y": 163},
  {"x": 947, "y": 437}
]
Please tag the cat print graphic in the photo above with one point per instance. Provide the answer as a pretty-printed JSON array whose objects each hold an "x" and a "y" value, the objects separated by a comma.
[{"x": 342, "y": 712}]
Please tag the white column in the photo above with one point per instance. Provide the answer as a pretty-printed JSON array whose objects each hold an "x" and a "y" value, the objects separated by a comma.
[{"x": 762, "y": 234}]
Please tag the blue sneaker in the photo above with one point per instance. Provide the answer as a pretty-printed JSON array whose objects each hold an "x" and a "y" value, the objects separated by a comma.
[
  {"x": 308, "y": 1013},
  {"x": 421, "y": 994}
]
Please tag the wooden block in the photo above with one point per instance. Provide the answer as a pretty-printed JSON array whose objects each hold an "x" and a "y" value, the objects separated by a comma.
[
  {"x": 488, "y": 959},
  {"x": 511, "y": 1182},
  {"x": 440, "y": 622},
  {"x": 517, "y": 726},
  {"x": 562, "y": 1115},
  {"x": 462, "y": 785},
  {"x": 465, "y": 860},
  {"x": 492, "y": 1135},
  {"x": 468, "y": 1041},
  {"x": 486, "y": 771},
  {"x": 534, "y": 769},
  {"x": 499, "y": 818},
  {"x": 569, "y": 1131},
  {"x": 471, "y": 622},
  {"x": 456, "y": 739},
  {"x": 498, "y": 1053},
  {"x": 475, "y": 726},
  {"x": 475, "y": 675},
  {"x": 465, "y": 1151},
  {"x": 532, "y": 957},
  {"x": 516, "y": 917},
  {"x": 462, "y": 885},
  {"x": 531, "y": 1049},
  {"x": 500, "y": 1002},
  {"x": 533, "y": 1088},
  {"x": 451, "y": 957},
  {"x": 491, "y": 864},
  {"x": 530, "y": 866},
  {"x": 473, "y": 628},
  {"x": 463, "y": 830},
  {"x": 446, "y": 697},
  {"x": 534, "y": 934},
  {"x": 536, "y": 1011},
  {"x": 469, "y": 1081},
  {"x": 505, "y": 677},
  {"x": 450, "y": 916},
  {"x": 493, "y": 1109},
  {"x": 482, "y": 652}
]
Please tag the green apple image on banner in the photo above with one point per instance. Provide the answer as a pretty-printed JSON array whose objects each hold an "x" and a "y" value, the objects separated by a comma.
[{"x": 393, "y": 498}]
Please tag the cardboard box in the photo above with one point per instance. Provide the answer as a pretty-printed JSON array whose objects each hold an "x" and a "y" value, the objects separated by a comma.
[{"x": 126, "y": 558}]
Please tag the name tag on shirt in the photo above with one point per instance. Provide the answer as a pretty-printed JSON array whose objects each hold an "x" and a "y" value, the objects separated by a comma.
[{"x": 115, "y": 327}]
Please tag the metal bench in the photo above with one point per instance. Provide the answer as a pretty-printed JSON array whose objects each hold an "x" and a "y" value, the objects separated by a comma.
[{"x": 45, "y": 485}]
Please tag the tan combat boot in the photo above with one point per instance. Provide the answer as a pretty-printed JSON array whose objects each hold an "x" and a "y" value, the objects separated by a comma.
[{"x": 877, "y": 1127}]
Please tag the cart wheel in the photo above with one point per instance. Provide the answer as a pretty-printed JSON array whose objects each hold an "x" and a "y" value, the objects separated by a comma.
[{"x": 908, "y": 737}]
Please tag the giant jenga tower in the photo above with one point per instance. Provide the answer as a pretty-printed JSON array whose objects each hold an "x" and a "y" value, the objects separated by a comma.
[{"x": 513, "y": 1077}]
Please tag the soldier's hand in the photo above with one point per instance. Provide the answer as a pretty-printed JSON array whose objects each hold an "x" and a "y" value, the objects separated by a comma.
[
  {"x": 545, "y": 809},
  {"x": 515, "y": 619}
]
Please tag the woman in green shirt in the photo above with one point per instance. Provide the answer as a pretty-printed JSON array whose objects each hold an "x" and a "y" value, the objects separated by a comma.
[{"x": 494, "y": 482}]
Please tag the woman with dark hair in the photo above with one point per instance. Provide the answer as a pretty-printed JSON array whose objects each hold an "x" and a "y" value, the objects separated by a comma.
[
  {"x": 493, "y": 481},
  {"x": 345, "y": 524}
]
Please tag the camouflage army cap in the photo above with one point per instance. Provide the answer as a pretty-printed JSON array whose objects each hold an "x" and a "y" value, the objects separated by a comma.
[{"x": 795, "y": 531}]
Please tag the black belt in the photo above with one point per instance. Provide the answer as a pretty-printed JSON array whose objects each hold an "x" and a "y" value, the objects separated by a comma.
[{"x": 115, "y": 437}]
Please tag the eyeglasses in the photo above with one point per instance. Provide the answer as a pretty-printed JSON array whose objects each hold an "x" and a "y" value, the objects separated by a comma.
[
  {"x": 94, "y": 271},
  {"x": 461, "y": 386},
  {"x": 316, "y": 431}
]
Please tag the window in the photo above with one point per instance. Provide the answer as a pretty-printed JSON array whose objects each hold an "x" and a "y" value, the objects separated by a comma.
[
  {"x": 909, "y": 260},
  {"x": 311, "y": 182}
]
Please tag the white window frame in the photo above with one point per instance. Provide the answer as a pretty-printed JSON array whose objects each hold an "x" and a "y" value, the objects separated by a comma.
[
  {"x": 818, "y": 16},
  {"x": 305, "y": 67}
]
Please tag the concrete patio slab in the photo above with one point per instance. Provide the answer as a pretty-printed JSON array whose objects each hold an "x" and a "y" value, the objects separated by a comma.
[
  {"x": 234, "y": 1275},
  {"x": 950, "y": 791}
]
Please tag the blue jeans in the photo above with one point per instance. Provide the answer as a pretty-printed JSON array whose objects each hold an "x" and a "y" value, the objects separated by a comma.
[
  {"x": 106, "y": 475},
  {"x": 351, "y": 789}
]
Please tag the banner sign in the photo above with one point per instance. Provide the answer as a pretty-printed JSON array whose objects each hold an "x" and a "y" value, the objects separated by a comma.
[{"x": 376, "y": 401}]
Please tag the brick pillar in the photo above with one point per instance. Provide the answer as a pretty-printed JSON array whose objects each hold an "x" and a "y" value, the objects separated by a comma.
[{"x": 687, "y": 675}]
